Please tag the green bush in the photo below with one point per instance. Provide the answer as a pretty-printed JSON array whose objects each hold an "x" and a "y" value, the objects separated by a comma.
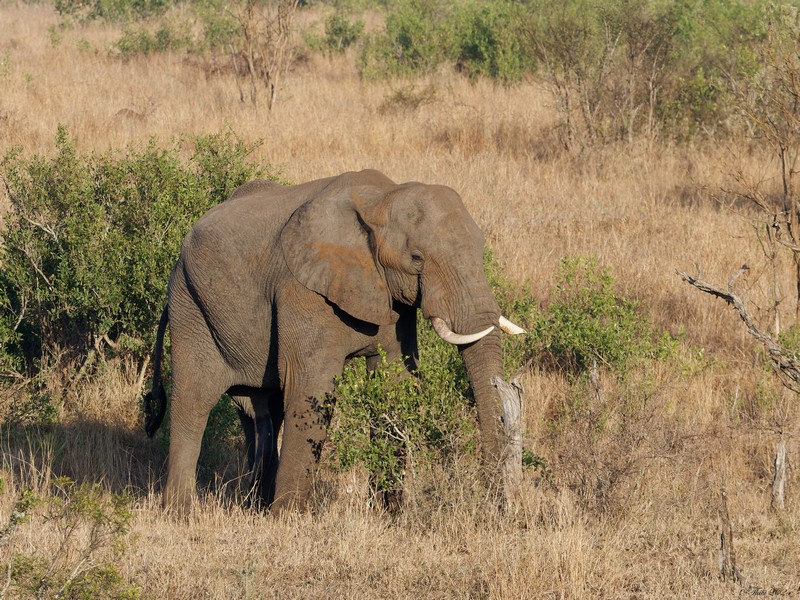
[
  {"x": 384, "y": 419},
  {"x": 91, "y": 239},
  {"x": 491, "y": 40},
  {"x": 588, "y": 323},
  {"x": 92, "y": 528},
  {"x": 415, "y": 40},
  {"x": 141, "y": 40},
  {"x": 518, "y": 304},
  {"x": 641, "y": 67},
  {"x": 341, "y": 33},
  {"x": 111, "y": 10}
]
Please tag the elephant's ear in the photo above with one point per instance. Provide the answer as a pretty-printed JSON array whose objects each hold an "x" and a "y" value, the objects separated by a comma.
[{"x": 327, "y": 247}]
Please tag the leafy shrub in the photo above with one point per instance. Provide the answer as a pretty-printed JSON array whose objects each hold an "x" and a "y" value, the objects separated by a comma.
[
  {"x": 415, "y": 41},
  {"x": 219, "y": 27},
  {"x": 341, "y": 33},
  {"x": 111, "y": 10},
  {"x": 386, "y": 421},
  {"x": 140, "y": 40},
  {"x": 640, "y": 67},
  {"x": 491, "y": 40},
  {"x": 517, "y": 304},
  {"x": 589, "y": 324},
  {"x": 90, "y": 242},
  {"x": 92, "y": 528}
]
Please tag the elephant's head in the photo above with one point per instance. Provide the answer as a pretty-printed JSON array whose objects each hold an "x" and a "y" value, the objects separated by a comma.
[{"x": 364, "y": 242}]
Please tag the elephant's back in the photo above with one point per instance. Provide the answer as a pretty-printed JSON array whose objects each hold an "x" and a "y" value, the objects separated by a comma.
[{"x": 257, "y": 208}]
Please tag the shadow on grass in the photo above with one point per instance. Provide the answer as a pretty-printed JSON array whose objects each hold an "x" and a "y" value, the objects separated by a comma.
[{"x": 122, "y": 459}]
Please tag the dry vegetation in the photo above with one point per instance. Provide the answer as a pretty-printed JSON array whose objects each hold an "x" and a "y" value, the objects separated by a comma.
[{"x": 643, "y": 210}]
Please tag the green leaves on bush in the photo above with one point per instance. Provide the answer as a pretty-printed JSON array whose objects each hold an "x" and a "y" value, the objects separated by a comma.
[
  {"x": 415, "y": 40},
  {"x": 618, "y": 70},
  {"x": 588, "y": 324},
  {"x": 491, "y": 39},
  {"x": 386, "y": 420},
  {"x": 91, "y": 239},
  {"x": 111, "y": 10},
  {"x": 141, "y": 40},
  {"x": 92, "y": 528},
  {"x": 518, "y": 304},
  {"x": 481, "y": 38},
  {"x": 341, "y": 32}
]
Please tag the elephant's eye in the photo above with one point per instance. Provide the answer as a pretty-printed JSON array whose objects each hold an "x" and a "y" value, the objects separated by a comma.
[{"x": 417, "y": 260}]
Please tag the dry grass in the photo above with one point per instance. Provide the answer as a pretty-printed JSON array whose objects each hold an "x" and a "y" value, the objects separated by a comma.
[{"x": 644, "y": 211}]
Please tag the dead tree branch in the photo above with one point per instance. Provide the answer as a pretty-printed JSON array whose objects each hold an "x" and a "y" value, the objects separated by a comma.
[{"x": 787, "y": 367}]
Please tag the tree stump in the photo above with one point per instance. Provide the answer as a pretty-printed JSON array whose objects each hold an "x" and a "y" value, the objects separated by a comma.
[
  {"x": 779, "y": 478},
  {"x": 729, "y": 572},
  {"x": 511, "y": 460}
]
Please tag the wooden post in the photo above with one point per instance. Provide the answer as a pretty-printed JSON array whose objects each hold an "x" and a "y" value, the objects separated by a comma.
[
  {"x": 511, "y": 465},
  {"x": 727, "y": 556},
  {"x": 779, "y": 478}
]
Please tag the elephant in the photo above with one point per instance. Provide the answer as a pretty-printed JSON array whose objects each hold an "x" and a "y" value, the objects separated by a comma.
[{"x": 278, "y": 286}]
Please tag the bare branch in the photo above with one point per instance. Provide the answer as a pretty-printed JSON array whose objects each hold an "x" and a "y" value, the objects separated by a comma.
[
  {"x": 787, "y": 367},
  {"x": 45, "y": 228},
  {"x": 22, "y": 310}
]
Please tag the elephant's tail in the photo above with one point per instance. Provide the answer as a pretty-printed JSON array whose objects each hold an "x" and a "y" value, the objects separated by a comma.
[{"x": 155, "y": 402}]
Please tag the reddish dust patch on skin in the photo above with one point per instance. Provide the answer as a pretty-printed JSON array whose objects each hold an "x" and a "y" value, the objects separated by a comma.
[{"x": 347, "y": 257}]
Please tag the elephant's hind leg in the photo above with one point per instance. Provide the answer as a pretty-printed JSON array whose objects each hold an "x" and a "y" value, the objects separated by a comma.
[{"x": 196, "y": 387}]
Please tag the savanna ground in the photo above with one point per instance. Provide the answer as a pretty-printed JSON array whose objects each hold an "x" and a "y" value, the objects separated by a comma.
[{"x": 633, "y": 515}]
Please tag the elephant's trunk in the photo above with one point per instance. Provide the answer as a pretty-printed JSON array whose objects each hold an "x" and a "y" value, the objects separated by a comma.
[{"x": 484, "y": 360}]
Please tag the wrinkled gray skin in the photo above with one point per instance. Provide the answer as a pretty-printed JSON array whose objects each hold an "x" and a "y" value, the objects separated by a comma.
[{"x": 278, "y": 286}]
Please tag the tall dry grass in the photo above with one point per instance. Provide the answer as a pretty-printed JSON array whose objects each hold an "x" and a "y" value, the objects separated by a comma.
[{"x": 643, "y": 210}]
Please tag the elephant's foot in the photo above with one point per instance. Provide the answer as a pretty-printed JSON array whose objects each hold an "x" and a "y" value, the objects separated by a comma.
[
  {"x": 290, "y": 502},
  {"x": 179, "y": 497}
]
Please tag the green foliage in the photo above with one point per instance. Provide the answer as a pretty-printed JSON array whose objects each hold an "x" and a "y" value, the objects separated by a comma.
[
  {"x": 618, "y": 68},
  {"x": 518, "y": 305},
  {"x": 32, "y": 406},
  {"x": 530, "y": 460},
  {"x": 588, "y": 323},
  {"x": 90, "y": 242},
  {"x": 141, "y": 40},
  {"x": 21, "y": 512},
  {"x": 111, "y": 10},
  {"x": 92, "y": 527},
  {"x": 415, "y": 40},
  {"x": 491, "y": 40},
  {"x": 481, "y": 38},
  {"x": 384, "y": 418},
  {"x": 341, "y": 33},
  {"x": 621, "y": 69}
]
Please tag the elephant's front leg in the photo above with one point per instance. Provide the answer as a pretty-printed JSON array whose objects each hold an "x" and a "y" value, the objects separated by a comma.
[{"x": 304, "y": 434}]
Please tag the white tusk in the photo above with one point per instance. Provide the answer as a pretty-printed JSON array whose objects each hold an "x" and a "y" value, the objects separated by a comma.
[
  {"x": 509, "y": 327},
  {"x": 448, "y": 335}
]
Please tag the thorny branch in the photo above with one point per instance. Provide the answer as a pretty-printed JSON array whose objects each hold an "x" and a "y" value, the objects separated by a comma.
[{"x": 787, "y": 367}]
